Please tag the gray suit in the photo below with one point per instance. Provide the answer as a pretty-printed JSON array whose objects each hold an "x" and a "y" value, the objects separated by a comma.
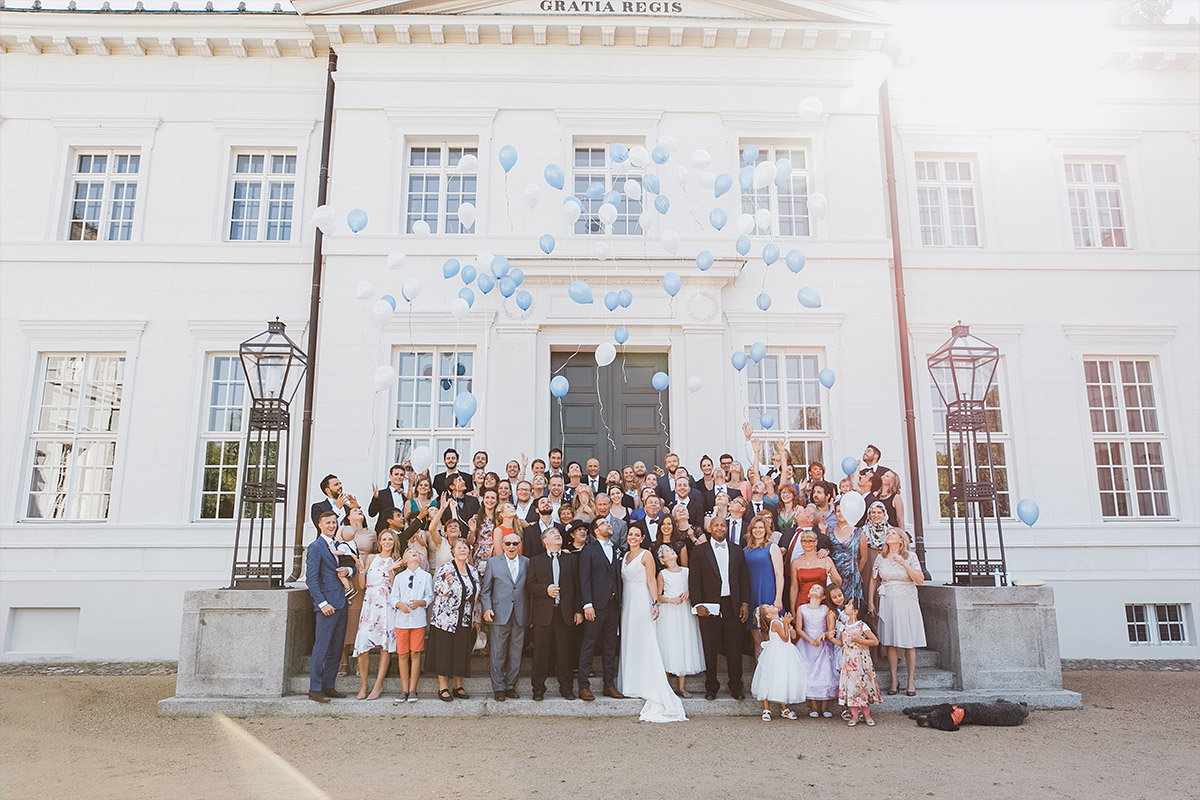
[
  {"x": 509, "y": 604},
  {"x": 619, "y": 528}
]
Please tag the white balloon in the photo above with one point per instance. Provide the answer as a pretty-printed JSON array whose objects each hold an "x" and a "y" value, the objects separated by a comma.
[
  {"x": 680, "y": 173},
  {"x": 811, "y": 109},
  {"x": 708, "y": 178},
  {"x": 763, "y": 218},
  {"x": 695, "y": 384},
  {"x": 396, "y": 260},
  {"x": 385, "y": 374},
  {"x": 608, "y": 213},
  {"x": 466, "y": 215},
  {"x": 668, "y": 141},
  {"x": 381, "y": 312},
  {"x": 364, "y": 290},
  {"x": 483, "y": 262},
  {"x": 421, "y": 458},
  {"x": 633, "y": 190},
  {"x": 533, "y": 194},
  {"x": 647, "y": 221},
  {"x": 852, "y": 507},
  {"x": 459, "y": 308},
  {"x": 421, "y": 227},
  {"x": 411, "y": 289},
  {"x": 764, "y": 174},
  {"x": 818, "y": 205},
  {"x": 571, "y": 212},
  {"x": 468, "y": 163},
  {"x": 701, "y": 159},
  {"x": 602, "y": 250},
  {"x": 605, "y": 354},
  {"x": 639, "y": 156},
  {"x": 745, "y": 224},
  {"x": 670, "y": 241},
  {"x": 324, "y": 217}
]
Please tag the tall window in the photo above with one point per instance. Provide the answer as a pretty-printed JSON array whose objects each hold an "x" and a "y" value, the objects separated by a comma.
[
  {"x": 1094, "y": 197},
  {"x": 103, "y": 196},
  {"x": 786, "y": 387},
  {"x": 437, "y": 186},
  {"x": 74, "y": 437},
  {"x": 1157, "y": 623},
  {"x": 950, "y": 462},
  {"x": 1128, "y": 439},
  {"x": 789, "y": 200},
  {"x": 428, "y": 383},
  {"x": 264, "y": 190},
  {"x": 946, "y": 202},
  {"x": 592, "y": 166}
]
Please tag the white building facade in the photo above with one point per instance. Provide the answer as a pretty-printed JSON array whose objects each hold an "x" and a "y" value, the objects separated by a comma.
[{"x": 159, "y": 170}]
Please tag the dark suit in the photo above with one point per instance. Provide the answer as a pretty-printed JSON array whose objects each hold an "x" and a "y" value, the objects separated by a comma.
[
  {"x": 666, "y": 487},
  {"x": 723, "y": 634},
  {"x": 647, "y": 538},
  {"x": 381, "y": 507},
  {"x": 320, "y": 574},
  {"x": 553, "y": 622},
  {"x": 321, "y": 506},
  {"x": 738, "y": 535},
  {"x": 440, "y": 480},
  {"x": 767, "y": 505},
  {"x": 710, "y": 496},
  {"x": 464, "y": 507},
  {"x": 600, "y": 587},
  {"x": 695, "y": 507},
  {"x": 601, "y": 483},
  {"x": 532, "y": 535}
]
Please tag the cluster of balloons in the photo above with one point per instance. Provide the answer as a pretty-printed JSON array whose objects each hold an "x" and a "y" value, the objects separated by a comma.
[{"x": 487, "y": 272}]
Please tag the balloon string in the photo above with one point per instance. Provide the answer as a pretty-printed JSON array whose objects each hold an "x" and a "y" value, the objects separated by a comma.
[
  {"x": 562, "y": 426},
  {"x": 508, "y": 204},
  {"x": 662, "y": 420},
  {"x": 600, "y": 398}
]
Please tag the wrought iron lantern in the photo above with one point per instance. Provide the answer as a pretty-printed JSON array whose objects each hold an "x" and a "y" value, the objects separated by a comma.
[
  {"x": 963, "y": 370},
  {"x": 274, "y": 367}
]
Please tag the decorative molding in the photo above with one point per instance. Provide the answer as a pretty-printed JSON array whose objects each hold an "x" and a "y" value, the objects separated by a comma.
[
  {"x": 539, "y": 34},
  {"x": 996, "y": 334},
  {"x": 64, "y": 45},
  {"x": 202, "y": 46},
  {"x": 442, "y": 120},
  {"x": 436, "y": 322},
  {"x": 676, "y": 37},
  {"x": 1119, "y": 334},
  {"x": 702, "y": 306},
  {"x": 98, "y": 46},
  {"x": 472, "y": 32},
  {"x": 240, "y": 127},
  {"x": 777, "y": 35},
  {"x": 742, "y": 39},
  {"x": 238, "y": 46},
  {"x": 168, "y": 45},
  {"x": 641, "y": 36},
  {"x": 437, "y": 34},
  {"x": 506, "y": 33},
  {"x": 108, "y": 330},
  {"x": 806, "y": 322},
  {"x": 842, "y": 42},
  {"x": 27, "y": 44},
  {"x": 306, "y": 48},
  {"x": 403, "y": 34},
  {"x": 1093, "y": 138},
  {"x": 608, "y": 35},
  {"x": 271, "y": 46},
  {"x": 574, "y": 32},
  {"x": 368, "y": 34},
  {"x": 710, "y": 38}
]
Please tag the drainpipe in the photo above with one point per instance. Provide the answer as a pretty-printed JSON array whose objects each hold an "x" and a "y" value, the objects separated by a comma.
[
  {"x": 910, "y": 417},
  {"x": 314, "y": 317}
]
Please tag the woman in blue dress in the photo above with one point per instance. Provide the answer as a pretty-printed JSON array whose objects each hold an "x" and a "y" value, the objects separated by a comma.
[{"x": 764, "y": 561}]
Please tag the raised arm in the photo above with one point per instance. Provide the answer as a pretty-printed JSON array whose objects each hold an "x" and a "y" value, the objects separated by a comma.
[{"x": 777, "y": 563}]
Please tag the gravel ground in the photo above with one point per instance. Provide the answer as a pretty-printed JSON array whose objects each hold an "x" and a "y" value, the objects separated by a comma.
[{"x": 99, "y": 737}]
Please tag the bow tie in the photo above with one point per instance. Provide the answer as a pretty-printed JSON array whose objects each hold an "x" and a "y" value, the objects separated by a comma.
[{"x": 719, "y": 544}]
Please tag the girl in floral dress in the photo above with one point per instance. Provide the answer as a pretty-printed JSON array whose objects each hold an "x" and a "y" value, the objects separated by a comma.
[{"x": 858, "y": 687}]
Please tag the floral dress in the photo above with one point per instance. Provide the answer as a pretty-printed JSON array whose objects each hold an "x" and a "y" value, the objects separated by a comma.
[
  {"x": 845, "y": 558},
  {"x": 858, "y": 685},
  {"x": 483, "y": 545},
  {"x": 374, "y": 627}
]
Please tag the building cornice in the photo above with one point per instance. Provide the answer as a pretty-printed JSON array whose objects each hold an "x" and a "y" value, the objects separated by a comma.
[{"x": 1119, "y": 334}]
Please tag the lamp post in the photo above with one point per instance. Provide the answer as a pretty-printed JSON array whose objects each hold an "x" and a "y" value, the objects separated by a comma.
[
  {"x": 963, "y": 370},
  {"x": 274, "y": 366}
]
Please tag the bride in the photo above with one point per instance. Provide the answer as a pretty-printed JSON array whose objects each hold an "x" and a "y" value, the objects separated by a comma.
[{"x": 641, "y": 672}]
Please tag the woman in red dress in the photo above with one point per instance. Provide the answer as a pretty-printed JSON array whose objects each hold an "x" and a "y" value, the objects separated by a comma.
[{"x": 809, "y": 570}]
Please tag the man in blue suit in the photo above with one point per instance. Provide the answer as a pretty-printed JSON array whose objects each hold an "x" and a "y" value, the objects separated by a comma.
[{"x": 329, "y": 603}]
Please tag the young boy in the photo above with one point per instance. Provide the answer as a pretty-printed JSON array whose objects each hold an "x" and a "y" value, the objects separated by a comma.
[{"x": 412, "y": 592}]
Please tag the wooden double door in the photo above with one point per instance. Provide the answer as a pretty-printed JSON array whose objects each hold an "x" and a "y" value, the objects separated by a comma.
[{"x": 611, "y": 413}]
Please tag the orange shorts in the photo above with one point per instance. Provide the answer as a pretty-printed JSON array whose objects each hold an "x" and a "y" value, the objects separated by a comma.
[{"x": 410, "y": 639}]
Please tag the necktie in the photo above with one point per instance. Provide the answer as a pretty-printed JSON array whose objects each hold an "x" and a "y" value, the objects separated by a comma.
[
  {"x": 554, "y": 571},
  {"x": 735, "y": 538}
]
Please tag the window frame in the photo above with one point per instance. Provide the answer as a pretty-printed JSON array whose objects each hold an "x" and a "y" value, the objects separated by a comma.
[
  {"x": 262, "y": 220},
  {"x": 436, "y": 437},
  {"x": 444, "y": 171},
  {"x": 943, "y": 184},
  {"x": 108, "y": 180},
  {"x": 612, "y": 174},
  {"x": 1121, "y": 186},
  {"x": 1153, "y": 623},
  {"x": 774, "y": 437},
  {"x": 770, "y": 147}
]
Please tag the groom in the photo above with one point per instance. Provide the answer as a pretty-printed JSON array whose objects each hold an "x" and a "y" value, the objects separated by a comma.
[
  {"x": 718, "y": 576},
  {"x": 600, "y": 591}
]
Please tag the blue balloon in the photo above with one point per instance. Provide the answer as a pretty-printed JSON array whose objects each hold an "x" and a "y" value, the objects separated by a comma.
[
  {"x": 464, "y": 408},
  {"x": 610, "y": 301},
  {"x": 770, "y": 253},
  {"x": 650, "y": 184},
  {"x": 1028, "y": 512},
  {"x": 766, "y": 420},
  {"x": 742, "y": 245},
  {"x": 660, "y": 381},
  {"x": 485, "y": 282},
  {"x": 499, "y": 267},
  {"x": 555, "y": 176},
  {"x": 467, "y": 274},
  {"x": 507, "y": 287},
  {"x": 357, "y": 220},
  {"x": 450, "y": 268},
  {"x": 518, "y": 275},
  {"x": 660, "y": 155},
  {"x": 621, "y": 334},
  {"x": 758, "y": 351},
  {"x": 704, "y": 260},
  {"x": 849, "y": 465},
  {"x": 718, "y": 217},
  {"x": 750, "y": 154},
  {"x": 546, "y": 243},
  {"x": 738, "y": 359},
  {"x": 722, "y": 184},
  {"x": 466, "y": 294},
  {"x": 594, "y": 191},
  {"x": 794, "y": 260},
  {"x": 614, "y": 198},
  {"x": 508, "y": 157},
  {"x": 746, "y": 179},
  {"x": 624, "y": 297},
  {"x": 809, "y": 298},
  {"x": 763, "y": 301},
  {"x": 671, "y": 283},
  {"x": 662, "y": 204},
  {"x": 827, "y": 378},
  {"x": 391, "y": 301},
  {"x": 580, "y": 292},
  {"x": 783, "y": 170},
  {"x": 618, "y": 153},
  {"x": 524, "y": 300},
  {"x": 559, "y": 386}
]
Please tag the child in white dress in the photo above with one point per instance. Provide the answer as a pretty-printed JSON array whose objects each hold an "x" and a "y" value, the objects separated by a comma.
[
  {"x": 677, "y": 627},
  {"x": 780, "y": 676}
]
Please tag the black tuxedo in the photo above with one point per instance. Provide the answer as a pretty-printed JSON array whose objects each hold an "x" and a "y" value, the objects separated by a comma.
[
  {"x": 532, "y": 535},
  {"x": 600, "y": 587},
  {"x": 666, "y": 487},
  {"x": 321, "y": 506},
  {"x": 710, "y": 495},
  {"x": 440, "y": 486},
  {"x": 601, "y": 483},
  {"x": 381, "y": 507},
  {"x": 743, "y": 528},
  {"x": 554, "y": 629},
  {"x": 464, "y": 508},
  {"x": 723, "y": 634}
]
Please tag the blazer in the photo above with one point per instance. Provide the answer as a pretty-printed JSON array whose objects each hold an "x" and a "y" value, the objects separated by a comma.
[
  {"x": 532, "y": 535},
  {"x": 320, "y": 575},
  {"x": 710, "y": 495},
  {"x": 619, "y": 528},
  {"x": 601, "y": 482},
  {"x": 501, "y": 595},
  {"x": 695, "y": 507},
  {"x": 464, "y": 508},
  {"x": 381, "y": 506},
  {"x": 439, "y": 481},
  {"x": 541, "y": 576},
  {"x": 666, "y": 486},
  {"x": 599, "y": 580},
  {"x": 704, "y": 576},
  {"x": 320, "y": 507}
]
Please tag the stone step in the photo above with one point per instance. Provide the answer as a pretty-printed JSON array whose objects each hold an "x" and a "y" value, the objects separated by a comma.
[{"x": 925, "y": 658}]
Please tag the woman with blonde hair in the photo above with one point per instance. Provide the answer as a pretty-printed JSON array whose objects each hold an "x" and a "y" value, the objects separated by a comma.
[
  {"x": 889, "y": 495},
  {"x": 374, "y": 627},
  {"x": 896, "y": 575},
  {"x": 583, "y": 504},
  {"x": 764, "y": 561}
]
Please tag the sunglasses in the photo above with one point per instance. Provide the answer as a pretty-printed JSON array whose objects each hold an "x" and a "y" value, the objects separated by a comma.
[{"x": 511, "y": 544}]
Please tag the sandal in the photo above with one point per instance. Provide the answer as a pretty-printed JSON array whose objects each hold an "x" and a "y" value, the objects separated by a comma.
[
  {"x": 852, "y": 722},
  {"x": 870, "y": 722},
  {"x": 444, "y": 694},
  {"x": 766, "y": 715},
  {"x": 685, "y": 693},
  {"x": 461, "y": 693},
  {"x": 787, "y": 713},
  {"x": 814, "y": 714}
]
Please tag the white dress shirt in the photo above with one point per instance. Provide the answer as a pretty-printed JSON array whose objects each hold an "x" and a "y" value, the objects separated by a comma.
[
  {"x": 721, "y": 551},
  {"x": 523, "y": 510},
  {"x": 608, "y": 549},
  {"x": 397, "y": 497},
  {"x": 514, "y": 566},
  {"x": 421, "y": 589},
  {"x": 735, "y": 530}
]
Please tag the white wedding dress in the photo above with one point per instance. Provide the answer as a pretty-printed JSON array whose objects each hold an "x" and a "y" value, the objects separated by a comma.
[{"x": 641, "y": 672}]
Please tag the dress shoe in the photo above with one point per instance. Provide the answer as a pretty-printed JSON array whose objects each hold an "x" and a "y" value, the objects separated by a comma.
[
  {"x": 567, "y": 694},
  {"x": 739, "y": 696},
  {"x": 511, "y": 694},
  {"x": 319, "y": 697},
  {"x": 539, "y": 696},
  {"x": 586, "y": 695},
  {"x": 499, "y": 696},
  {"x": 614, "y": 694},
  {"x": 709, "y": 696},
  {"x": 333, "y": 693}
]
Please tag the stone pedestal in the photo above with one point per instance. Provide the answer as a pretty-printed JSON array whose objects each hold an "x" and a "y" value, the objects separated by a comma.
[
  {"x": 994, "y": 638},
  {"x": 242, "y": 642}
]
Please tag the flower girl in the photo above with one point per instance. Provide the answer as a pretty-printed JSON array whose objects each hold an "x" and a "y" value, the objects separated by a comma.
[{"x": 780, "y": 676}]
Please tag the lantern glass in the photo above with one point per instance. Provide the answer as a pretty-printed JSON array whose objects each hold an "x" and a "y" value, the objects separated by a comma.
[
  {"x": 963, "y": 368},
  {"x": 274, "y": 364}
]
